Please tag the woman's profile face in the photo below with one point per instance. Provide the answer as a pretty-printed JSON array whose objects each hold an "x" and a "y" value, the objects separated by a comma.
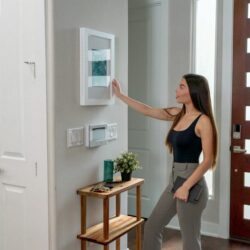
[{"x": 182, "y": 92}]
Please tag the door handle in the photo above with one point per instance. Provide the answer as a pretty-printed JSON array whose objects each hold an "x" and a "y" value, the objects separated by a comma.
[
  {"x": 34, "y": 67},
  {"x": 239, "y": 150}
]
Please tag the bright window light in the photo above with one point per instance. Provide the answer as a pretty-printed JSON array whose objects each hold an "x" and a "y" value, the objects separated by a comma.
[{"x": 205, "y": 53}]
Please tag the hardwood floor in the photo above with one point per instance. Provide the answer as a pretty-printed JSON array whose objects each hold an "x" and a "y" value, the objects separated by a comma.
[{"x": 172, "y": 241}]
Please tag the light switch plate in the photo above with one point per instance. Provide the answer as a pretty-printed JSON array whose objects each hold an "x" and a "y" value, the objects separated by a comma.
[
  {"x": 75, "y": 137},
  {"x": 112, "y": 131}
]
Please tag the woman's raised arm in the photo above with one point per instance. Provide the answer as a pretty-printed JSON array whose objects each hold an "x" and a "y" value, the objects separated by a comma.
[{"x": 167, "y": 114}]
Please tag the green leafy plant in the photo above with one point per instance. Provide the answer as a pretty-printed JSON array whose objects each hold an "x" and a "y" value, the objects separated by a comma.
[{"x": 126, "y": 162}]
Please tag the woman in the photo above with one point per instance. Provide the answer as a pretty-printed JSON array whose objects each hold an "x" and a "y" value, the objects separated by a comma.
[{"x": 193, "y": 130}]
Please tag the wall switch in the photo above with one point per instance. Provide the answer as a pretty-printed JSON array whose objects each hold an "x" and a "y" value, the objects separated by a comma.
[
  {"x": 75, "y": 137},
  {"x": 112, "y": 131}
]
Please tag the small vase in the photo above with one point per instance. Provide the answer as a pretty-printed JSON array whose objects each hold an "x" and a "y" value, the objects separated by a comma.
[
  {"x": 126, "y": 176},
  {"x": 108, "y": 170}
]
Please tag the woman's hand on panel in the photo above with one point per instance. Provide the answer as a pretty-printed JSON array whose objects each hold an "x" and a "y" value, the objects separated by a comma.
[{"x": 116, "y": 86}]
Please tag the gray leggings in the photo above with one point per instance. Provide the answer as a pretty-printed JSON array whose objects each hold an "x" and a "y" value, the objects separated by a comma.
[{"x": 189, "y": 214}]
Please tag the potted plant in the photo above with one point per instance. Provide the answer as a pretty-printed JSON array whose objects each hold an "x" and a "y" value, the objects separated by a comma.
[{"x": 126, "y": 163}]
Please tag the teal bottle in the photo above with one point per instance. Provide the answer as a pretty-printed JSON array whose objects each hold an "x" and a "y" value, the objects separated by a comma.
[{"x": 108, "y": 170}]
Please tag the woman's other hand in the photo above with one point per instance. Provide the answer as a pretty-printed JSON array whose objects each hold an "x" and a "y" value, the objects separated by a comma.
[
  {"x": 182, "y": 193},
  {"x": 116, "y": 87}
]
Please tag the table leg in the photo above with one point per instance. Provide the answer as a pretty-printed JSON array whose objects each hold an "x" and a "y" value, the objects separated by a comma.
[
  {"x": 106, "y": 247},
  {"x": 118, "y": 244},
  {"x": 138, "y": 237},
  {"x": 83, "y": 214},
  {"x": 138, "y": 216},
  {"x": 106, "y": 218},
  {"x": 83, "y": 220},
  {"x": 138, "y": 202},
  {"x": 83, "y": 245},
  {"x": 118, "y": 205},
  {"x": 118, "y": 212}
]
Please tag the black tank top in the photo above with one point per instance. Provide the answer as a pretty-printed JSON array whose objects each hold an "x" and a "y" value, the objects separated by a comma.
[{"x": 186, "y": 144}]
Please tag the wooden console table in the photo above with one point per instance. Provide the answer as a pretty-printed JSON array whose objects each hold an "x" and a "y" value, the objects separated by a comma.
[{"x": 111, "y": 228}]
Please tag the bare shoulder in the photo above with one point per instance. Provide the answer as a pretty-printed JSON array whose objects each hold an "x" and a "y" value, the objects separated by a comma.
[
  {"x": 204, "y": 120},
  {"x": 204, "y": 124}
]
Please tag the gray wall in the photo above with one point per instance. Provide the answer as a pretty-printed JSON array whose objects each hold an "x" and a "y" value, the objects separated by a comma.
[{"x": 79, "y": 166}]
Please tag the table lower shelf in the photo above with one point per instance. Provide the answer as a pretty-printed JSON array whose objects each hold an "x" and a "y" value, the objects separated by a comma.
[{"x": 117, "y": 227}]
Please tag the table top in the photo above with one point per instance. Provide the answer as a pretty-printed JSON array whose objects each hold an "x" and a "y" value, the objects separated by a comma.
[{"x": 118, "y": 187}]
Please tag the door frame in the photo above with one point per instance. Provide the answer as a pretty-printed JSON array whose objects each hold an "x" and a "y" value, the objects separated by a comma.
[
  {"x": 225, "y": 23},
  {"x": 49, "y": 50}
]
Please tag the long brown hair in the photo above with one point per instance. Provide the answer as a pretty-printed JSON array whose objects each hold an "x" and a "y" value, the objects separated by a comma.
[{"x": 200, "y": 96}]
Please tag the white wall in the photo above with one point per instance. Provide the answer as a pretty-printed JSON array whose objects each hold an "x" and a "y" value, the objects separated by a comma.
[{"x": 79, "y": 166}]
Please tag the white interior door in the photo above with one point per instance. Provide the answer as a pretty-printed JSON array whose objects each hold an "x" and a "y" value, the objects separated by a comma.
[
  {"x": 146, "y": 136},
  {"x": 23, "y": 135}
]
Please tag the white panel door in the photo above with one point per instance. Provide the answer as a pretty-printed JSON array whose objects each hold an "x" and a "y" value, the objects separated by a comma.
[
  {"x": 146, "y": 136},
  {"x": 23, "y": 135}
]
